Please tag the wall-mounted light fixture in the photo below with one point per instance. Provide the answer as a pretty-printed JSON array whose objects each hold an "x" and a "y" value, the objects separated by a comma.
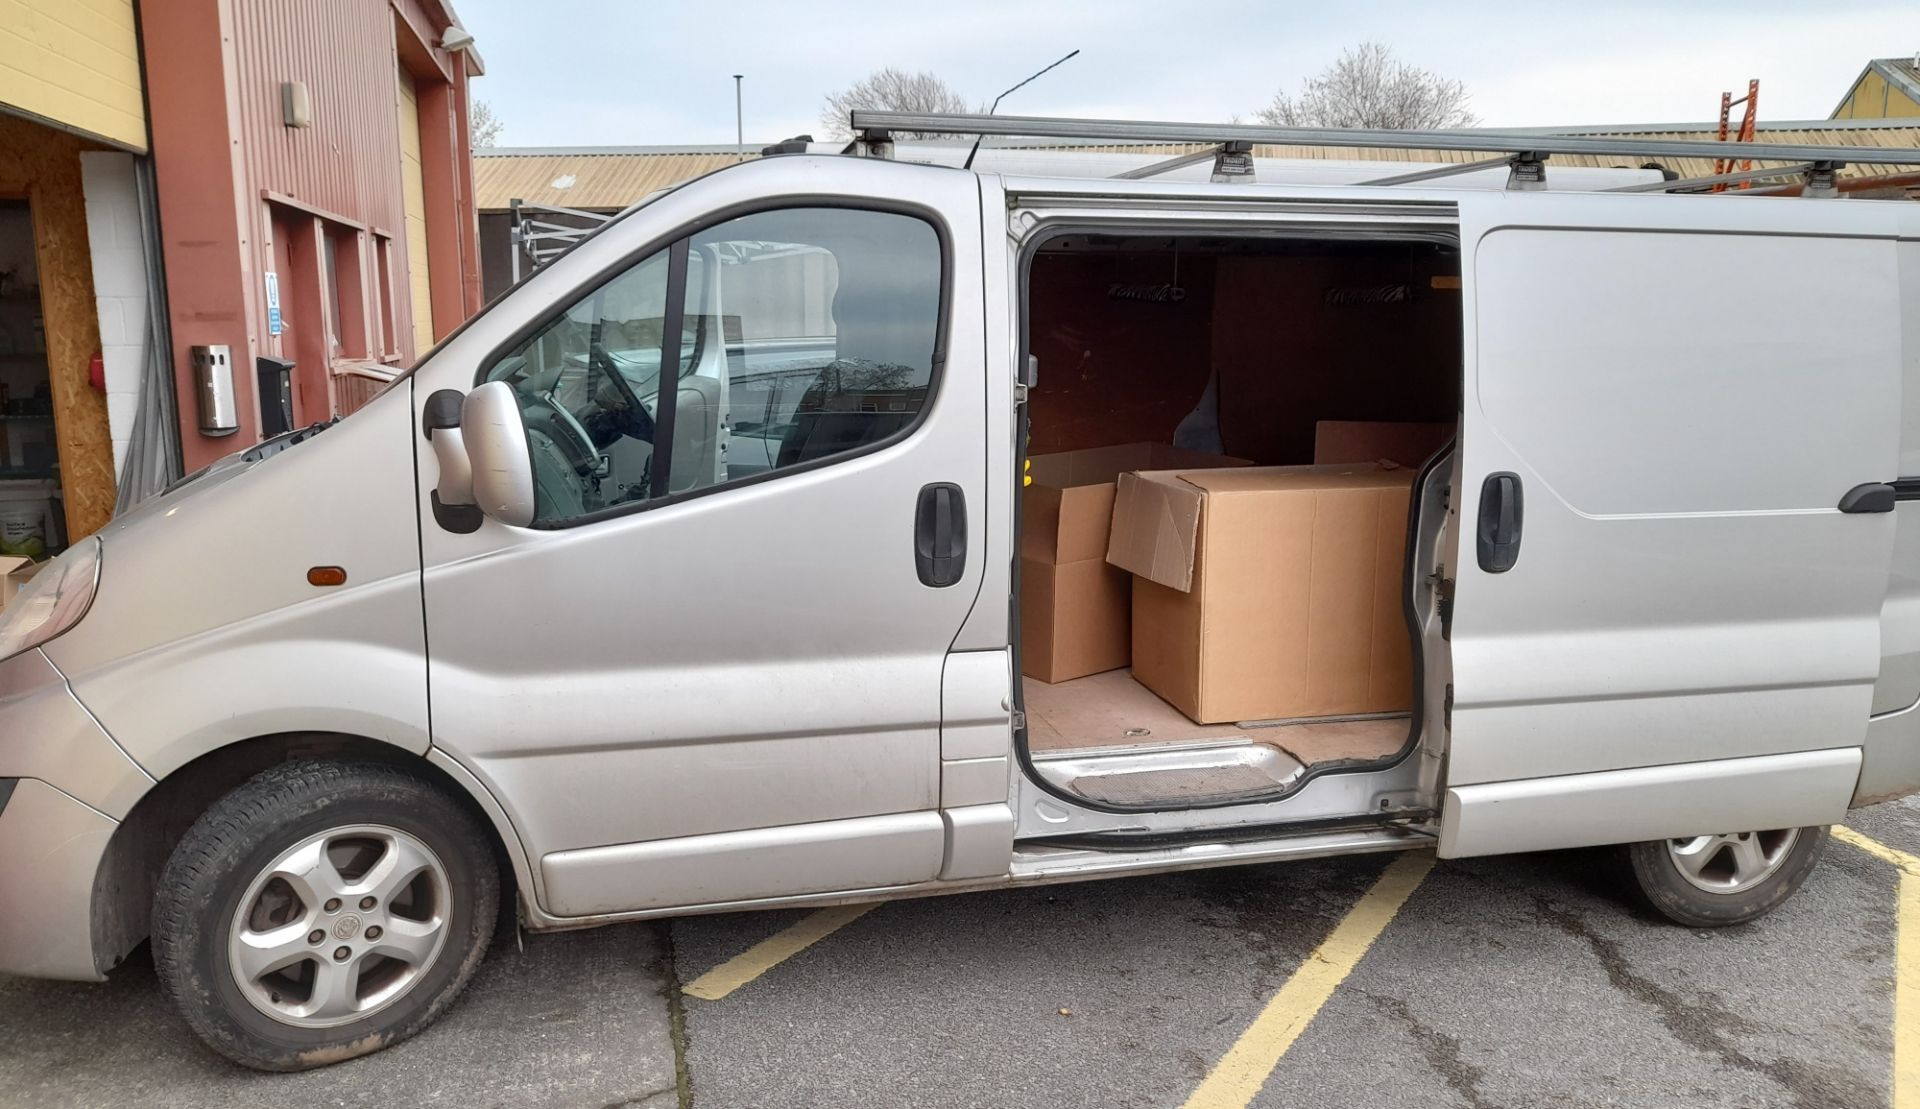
[
  {"x": 455, "y": 39},
  {"x": 296, "y": 106}
]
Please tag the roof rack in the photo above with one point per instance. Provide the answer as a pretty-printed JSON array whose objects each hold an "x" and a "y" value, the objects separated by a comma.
[{"x": 1525, "y": 152}]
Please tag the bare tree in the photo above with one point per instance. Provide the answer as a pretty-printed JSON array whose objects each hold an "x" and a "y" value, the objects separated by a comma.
[
  {"x": 889, "y": 90},
  {"x": 483, "y": 127},
  {"x": 1369, "y": 87}
]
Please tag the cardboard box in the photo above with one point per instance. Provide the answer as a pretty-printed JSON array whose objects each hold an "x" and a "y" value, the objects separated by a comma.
[
  {"x": 1409, "y": 444},
  {"x": 15, "y": 573},
  {"x": 1268, "y": 593},
  {"x": 1073, "y": 605},
  {"x": 1073, "y": 618}
]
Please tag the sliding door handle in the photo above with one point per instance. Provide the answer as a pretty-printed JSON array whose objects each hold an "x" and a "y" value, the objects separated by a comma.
[
  {"x": 1498, "y": 534},
  {"x": 940, "y": 535}
]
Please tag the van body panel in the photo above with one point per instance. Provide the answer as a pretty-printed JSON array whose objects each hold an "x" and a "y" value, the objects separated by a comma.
[
  {"x": 50, "y": 736},
  {"x": 1892, "y": 764},
  {"x": 240, "y": 641},
  {"x": 1683, "y": 411},
  {"x": 763, "y": 862},
  {"x": 526, "y": 876},
  {"x": 1893, "y": 745},
  {"x": 1890, "y": 767},
  {"x": 757, "y": 657},
  {"x": 54, "y": 843},
  {"x": 979, "y": 841},
  {"x": 965, "y": 782},
  {"x": 1794, "y": 790},
  {"x": 987, "y": 627},
  {"x": 977, "y": 717}
]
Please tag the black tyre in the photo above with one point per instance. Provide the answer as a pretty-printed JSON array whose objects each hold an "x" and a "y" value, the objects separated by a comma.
[
  {"x": 1713, "y": 881},
  {"x": 323, "y": 911}
]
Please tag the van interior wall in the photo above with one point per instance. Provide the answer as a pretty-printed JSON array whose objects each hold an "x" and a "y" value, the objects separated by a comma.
[
  {"x": 1299, "y": 339},
  {"x": 1127, "y": 340},
  {"x": 1116, "y": 370}
]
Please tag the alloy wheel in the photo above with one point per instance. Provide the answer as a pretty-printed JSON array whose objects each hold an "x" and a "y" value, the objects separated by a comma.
[
  {"x": 339, "y": 926},
  {"x": 1733, "y": 861}
]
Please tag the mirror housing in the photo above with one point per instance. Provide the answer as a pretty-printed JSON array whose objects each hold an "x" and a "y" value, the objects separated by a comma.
[{"x": 496, "y": 442}]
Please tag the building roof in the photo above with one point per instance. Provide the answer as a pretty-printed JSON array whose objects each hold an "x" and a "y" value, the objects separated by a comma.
[
  {"x": 1901, "y": 73},
  {"x": 608, "y": 178},
  {"x": 595, "y": 178}
]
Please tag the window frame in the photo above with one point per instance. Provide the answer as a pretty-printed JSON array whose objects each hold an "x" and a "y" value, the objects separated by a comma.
[{"x": 678, "y": 242}]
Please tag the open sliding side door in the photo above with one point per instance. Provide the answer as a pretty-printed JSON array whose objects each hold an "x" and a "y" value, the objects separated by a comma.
[{"x": 1668, "y": 599}]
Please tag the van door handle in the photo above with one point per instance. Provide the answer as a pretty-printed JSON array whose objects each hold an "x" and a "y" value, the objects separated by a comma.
[
  {"x": 1500, "y": 517},
  {"x": 940, "y": 534}
]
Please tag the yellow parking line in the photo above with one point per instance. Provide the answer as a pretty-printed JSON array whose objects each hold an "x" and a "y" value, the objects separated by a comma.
[
  {"x": 774, "y": 950},
  {"x": 1240, "y": 1073},
  {"x": 1906, "y": 862},
  {"x": 1906, "y": 967}
]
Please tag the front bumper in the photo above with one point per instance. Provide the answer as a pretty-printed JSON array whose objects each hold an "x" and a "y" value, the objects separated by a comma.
[
  {"x": 72, "y": 786},
  {"x": 50, "y": 850}
]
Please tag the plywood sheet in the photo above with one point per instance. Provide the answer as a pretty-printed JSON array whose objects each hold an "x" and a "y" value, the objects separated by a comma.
[
  {"x": 43, "y": 165},
  {"x": 1111, "y": 709}
]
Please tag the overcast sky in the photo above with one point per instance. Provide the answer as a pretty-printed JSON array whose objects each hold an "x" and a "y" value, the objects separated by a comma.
[{"x": 620, "y": 72}]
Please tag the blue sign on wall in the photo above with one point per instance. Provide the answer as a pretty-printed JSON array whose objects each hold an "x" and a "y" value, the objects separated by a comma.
[{"x": 274, "y": 326}]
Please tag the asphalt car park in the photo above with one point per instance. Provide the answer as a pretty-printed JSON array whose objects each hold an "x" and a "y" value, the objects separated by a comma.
[{"x": 1511, "y": 981}]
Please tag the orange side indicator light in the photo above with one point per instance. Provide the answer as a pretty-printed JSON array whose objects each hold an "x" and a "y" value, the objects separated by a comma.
[{"x": 327, "y": 575}]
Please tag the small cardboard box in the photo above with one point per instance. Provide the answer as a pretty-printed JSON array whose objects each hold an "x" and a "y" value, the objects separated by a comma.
[
  {"x": 1073, "y": 605},
  {"x": 1268, "y": 593},
  {"x": 1409, "y": 444},
  {"x": 15, "y": 573},
  {"x": 1073, "y": 618}
]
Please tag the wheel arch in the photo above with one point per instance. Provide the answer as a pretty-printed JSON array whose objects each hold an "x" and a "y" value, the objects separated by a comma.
[{"x": 125, "y": 883}]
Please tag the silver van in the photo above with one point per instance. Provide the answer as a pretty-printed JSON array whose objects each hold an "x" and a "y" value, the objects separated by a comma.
[{"x": 686, "y": 577}]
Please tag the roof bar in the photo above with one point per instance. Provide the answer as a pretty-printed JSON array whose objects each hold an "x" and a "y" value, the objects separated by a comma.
[
  {"x": 1716, "y": 179},
  {"x": 1437, "y": 172},
  {"x": 1490, "y": 141},
  {"x": 1168, "y": 166}
]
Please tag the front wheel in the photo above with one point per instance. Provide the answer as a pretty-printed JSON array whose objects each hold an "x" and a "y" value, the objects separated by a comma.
[
  {"x": 323, "y": 911},
  {"x": 1731, "y": 878}
]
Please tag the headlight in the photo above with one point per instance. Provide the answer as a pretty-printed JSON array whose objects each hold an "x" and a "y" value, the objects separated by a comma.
[{"x": 53, "y": 601}]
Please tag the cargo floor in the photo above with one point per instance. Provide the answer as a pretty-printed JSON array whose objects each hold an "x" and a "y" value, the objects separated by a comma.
[{"x": 1113, "y": 710}]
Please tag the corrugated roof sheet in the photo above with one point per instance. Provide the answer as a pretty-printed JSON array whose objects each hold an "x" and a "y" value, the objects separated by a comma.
[
  {"x": 607, "y": 179},
  {"x": 611, "y": 178}
]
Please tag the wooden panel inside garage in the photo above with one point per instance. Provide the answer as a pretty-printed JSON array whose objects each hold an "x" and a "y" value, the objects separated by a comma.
[{"x": 42, "y": 166}]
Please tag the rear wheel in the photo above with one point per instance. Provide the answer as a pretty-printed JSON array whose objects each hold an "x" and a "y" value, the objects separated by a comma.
[
  {"x": 323, "y": 911},
  {"x": 1730, "y": 878}
]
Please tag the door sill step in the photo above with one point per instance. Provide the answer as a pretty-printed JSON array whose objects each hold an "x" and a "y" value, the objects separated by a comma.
[
  {"x": 1032, "y": 862},
  {"x": 1174, "y": 775}
]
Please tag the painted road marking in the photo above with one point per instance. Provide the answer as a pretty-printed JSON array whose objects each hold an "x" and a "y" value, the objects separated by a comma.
[
  {"x": 1240, "y": 1073},
  {"x": 1906, "y": 963},
  {"x": 774, "y": 950}
]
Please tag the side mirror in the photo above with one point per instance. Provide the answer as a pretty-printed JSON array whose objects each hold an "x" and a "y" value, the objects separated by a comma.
[{"x": 496, "y": 442}]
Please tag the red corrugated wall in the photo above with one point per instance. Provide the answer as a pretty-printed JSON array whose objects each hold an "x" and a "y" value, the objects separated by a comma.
[
  {"x": 347, "y": 161},
  {"x": 234, "y": 178}
]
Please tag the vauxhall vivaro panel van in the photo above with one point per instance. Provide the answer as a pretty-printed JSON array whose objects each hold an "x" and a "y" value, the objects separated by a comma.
[{"x": 704, "y": 570}]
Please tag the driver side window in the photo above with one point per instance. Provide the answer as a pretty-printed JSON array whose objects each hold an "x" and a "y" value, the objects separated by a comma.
[
  {"x": 588, "y": 385},
  {"x": 799, "y": 334}
]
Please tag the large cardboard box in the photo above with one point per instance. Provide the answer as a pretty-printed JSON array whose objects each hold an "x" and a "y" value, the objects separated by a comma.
[
  {"x": 1268, "y": 593},
  {"x": 1073, "y": 605},
  {"x": 1409, "y": 444}
]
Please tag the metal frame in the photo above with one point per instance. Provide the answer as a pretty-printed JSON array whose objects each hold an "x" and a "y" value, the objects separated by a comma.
[
  {"x": 541, "y": 240},
  {"x": 1525, "y": 151}
]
